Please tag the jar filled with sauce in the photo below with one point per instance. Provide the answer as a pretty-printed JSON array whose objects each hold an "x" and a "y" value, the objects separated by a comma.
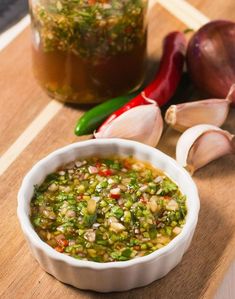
[{"x": 87, "y": 51}]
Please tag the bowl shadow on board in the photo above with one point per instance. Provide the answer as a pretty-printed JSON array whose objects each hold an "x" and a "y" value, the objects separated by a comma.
[{"x": 190, "y": 278}]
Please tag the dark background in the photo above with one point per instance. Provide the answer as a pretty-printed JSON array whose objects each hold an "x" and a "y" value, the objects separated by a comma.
[{"x": 11, "y": 11}]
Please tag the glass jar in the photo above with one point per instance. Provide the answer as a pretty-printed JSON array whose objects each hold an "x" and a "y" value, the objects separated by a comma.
[{"x": 86, "y": 51}]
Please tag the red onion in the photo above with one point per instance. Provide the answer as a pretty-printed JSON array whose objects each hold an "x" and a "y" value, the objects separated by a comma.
[{"x": 211, "y": 57}]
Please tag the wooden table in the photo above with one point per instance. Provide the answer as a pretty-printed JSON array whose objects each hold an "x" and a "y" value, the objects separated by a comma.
[{"x": 32, "y": 125}]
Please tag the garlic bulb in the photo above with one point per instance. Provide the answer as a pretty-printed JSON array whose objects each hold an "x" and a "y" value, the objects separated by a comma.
[
  {"x": 212, "y": 111},
  {"x": 202, "y": 144},
  {"x": 143, "y": 123}
]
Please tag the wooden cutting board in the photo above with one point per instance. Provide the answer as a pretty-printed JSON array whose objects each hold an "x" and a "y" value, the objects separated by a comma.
[{"x": 31, "y": 126}]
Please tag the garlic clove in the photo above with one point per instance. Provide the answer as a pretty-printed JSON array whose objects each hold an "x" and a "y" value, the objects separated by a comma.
[
  {"x": 143, "y": 123},
  {"x": 202, "y": 144},
  {"x": 186, "y": 115},
  {"x": 211, "y": 111},
  {"x": 203, "y": 151}
]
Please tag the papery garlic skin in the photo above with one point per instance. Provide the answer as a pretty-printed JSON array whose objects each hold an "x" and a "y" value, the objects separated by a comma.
[
  {"x": 142, "y": 123},
  {"x": 185, "y": 115},
  {"x": 202, "y": 144}
]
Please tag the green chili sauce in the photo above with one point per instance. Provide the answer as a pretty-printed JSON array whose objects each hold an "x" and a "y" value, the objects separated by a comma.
[
  {"x": 90, "y": 28},
  {"x": 107, "y": 210},
  {"x": 88, "y": 50}
]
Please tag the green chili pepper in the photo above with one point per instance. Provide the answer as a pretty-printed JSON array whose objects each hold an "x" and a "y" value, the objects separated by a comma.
[
  {"x": 93, "y": 118},
  {"x": 127, "y": 252}
]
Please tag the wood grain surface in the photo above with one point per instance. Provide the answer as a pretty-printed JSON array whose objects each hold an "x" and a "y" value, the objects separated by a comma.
[
  {"x": 21, "y": 100},
  {"x": 218, "y": 9}
]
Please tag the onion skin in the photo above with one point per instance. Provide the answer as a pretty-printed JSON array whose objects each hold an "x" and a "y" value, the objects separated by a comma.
[{"x": 211, "y": 57}]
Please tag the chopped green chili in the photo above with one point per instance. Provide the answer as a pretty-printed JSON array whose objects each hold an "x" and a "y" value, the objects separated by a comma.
[{"x": 108, "y": 209}]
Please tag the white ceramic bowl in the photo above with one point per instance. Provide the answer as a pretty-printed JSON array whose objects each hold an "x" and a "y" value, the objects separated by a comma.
[{"x": 112, "y": 276}]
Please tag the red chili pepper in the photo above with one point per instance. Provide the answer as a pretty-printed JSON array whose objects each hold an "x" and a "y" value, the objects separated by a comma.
[
  {"x": 91, "y": 2},
  {"x": 79, "y": 197},
  {"x": 143, "y": 200},
  {"x": 115, "y": 196},
  {"x": 63, "y": 242},
  {"x": 59, "y": 249},
  {"x": 105, "y": 172},
  {"x": 167, "y": 197},
  {"x": 127, "y": 165},
  {"x": 162, "y": 88},
  {"x": 97, "y": 164}
]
